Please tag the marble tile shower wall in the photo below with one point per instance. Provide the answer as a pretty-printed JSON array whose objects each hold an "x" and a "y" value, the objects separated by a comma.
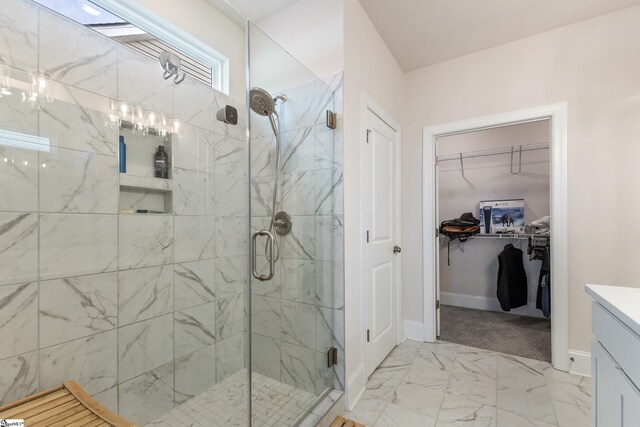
[
  {"x": 299, "y": 315},
  {"x": 144, "y": 311}
]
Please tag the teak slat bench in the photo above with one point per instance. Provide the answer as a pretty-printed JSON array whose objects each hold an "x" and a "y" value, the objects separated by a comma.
[
  {"x": 66, "y": 405},
  {"x": 343, "y": 422}
]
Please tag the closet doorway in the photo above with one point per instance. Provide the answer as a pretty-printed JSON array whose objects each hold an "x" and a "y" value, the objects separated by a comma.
[
  {"x": 501, "y": 176},
  {"x": 507, "y": 170}
]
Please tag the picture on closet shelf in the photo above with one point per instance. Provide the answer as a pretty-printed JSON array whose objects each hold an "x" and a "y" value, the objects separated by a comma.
[{"x": 502, "y": 216}]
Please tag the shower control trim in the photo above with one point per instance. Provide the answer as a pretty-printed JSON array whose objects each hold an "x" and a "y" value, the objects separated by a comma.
[
  {"x": 272, "y": 261},
  {"x": 283, "y": 223}
]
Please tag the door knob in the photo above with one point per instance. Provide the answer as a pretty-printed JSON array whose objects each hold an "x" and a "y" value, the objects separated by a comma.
[{"x": 397, "y": 249}]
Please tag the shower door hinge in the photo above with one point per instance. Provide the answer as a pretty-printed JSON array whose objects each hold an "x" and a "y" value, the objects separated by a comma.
[
  {"x": 367, "y": 335},
  {"x": 332, "y": 357},
  {"x": 368, "y": 133},
  {"x": 367, "y": 236},
  {"x": 437, "y": 304},
  {"x": 332, "y": 119}
]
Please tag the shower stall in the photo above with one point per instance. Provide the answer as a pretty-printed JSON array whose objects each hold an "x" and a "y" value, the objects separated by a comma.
[{"x": 212, "y": 297}]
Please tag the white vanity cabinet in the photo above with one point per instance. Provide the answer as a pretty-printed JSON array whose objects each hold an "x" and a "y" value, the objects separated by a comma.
[{"x": 615, "y": 356}]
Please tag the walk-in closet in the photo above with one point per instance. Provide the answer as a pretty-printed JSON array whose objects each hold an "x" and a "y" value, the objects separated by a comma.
[{"x": 493, "y": 204}]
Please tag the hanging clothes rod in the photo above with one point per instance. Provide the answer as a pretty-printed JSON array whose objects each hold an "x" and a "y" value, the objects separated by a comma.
[
  {"x": 511, "y": 236},
  {"x": 506, "y": 236},
  {"x": 510, "y": 150}
]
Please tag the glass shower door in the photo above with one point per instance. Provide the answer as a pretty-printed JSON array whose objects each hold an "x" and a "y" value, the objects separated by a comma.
[
  {"x": 133, "y": 285},
  {"x": 296, "y": 223}
]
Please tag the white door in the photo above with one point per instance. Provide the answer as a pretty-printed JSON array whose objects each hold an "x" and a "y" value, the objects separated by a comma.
[{"x": 382, "y": 258}]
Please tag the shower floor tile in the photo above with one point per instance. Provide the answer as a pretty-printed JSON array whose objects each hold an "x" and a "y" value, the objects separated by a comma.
[{"x": 225, "y": 404}]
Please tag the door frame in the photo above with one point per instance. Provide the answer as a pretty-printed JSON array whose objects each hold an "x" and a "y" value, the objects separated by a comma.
[
  {"x": 557, "y": 114},
  {"x": 369, "y": 104}
]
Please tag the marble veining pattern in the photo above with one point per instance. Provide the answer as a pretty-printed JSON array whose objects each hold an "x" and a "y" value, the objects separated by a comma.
[
  {"x": 19, "y": 377},
  {"x": 444, "y": 384},
  {"x": 151, "y": 91},
  {"x": 230, "y": 277},
  {"x": 75, "y": 244},
  {"x": 297, "y": 151},
  {"x": 19, "y": 34},
  {"x": 144, "y": 346},
  {"x": 145, "y": 240},
  {"x": 18, "y": 247},
  {"x": 195, "y": 373},
  {"x": 76, "y": 55},
  {"x": 18, "y": 319},
  {"x": 77, "y": 306},
  {"x": 194, "y": 238},
  {"x": 231, "y": 313},
  {"x": 78, "y": 120},
  {"x": 73, "y": 181},
  {"x": 229, "y": 156},
  {"x": 144, "y": 293},
  {"x": 195, "y": 328},
  {"x": 230, "y": 356},
  {"x": 194, "y": 283},
  {"x": 91, "y": 361},
  {"x": 148, "y": 394},
  {"x": 18, "y": 177},
  {"x": 194, "y": 103}
]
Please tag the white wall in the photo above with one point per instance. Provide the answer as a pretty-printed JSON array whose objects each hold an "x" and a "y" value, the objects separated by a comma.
[
  {"x": 368, "y": 67},
  {"x": 311, "y": 31},
  {"x": 212, "y": 27},
  {"x": 470, "y": 280},
  {"x": 594, "y": 66}
]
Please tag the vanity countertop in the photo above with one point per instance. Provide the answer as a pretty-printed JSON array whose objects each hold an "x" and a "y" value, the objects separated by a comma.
[{"x": 624, "y": 303}]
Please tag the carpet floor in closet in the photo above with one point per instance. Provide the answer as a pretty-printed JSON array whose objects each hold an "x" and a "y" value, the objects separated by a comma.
[{"x": 501, "y": 332}]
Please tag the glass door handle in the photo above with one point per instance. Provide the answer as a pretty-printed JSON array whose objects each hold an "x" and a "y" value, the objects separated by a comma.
[{"x": 271, "y": 259}]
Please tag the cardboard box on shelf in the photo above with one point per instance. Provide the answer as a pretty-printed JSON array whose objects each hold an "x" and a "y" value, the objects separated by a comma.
[{"x": 502, "y": 216}]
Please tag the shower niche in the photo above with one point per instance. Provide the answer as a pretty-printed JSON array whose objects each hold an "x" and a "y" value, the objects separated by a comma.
[{"x": 140, "y": 191}]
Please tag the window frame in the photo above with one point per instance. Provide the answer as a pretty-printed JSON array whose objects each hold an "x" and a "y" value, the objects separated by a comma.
[{"x": 138, "y": 15}]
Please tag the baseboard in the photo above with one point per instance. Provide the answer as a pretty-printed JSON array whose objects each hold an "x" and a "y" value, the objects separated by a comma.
[
  {"x": 580, "y": 363},
  {"x": 413, "y": 330},
  {"x": 487, "y": 304},
  {"x": 356, "y": 385}
]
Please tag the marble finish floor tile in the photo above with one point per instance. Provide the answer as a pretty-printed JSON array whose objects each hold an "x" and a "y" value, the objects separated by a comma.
[
  {"x": 225, "y": 404},
  {"x": 446, "y": 384}
]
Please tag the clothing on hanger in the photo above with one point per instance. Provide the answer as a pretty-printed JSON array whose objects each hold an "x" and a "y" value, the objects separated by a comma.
[
  {"x": 512, "y": 278},
  {"x": 536, "y": 247},
  {"x": 543, "y": 299},
  {"x": 539, "y": 226}
]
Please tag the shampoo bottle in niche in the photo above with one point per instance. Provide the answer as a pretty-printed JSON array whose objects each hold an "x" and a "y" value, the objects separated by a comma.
[
  {"x": 161, "y": 163},
  {"x": 123, "y": 155}
]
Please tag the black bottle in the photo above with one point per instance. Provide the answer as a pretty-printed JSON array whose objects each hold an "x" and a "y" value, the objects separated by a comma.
[{"x": 161, "y": 163}]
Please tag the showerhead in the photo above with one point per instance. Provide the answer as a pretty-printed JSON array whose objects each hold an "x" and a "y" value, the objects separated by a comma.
[{"x": 261, "y": 102}]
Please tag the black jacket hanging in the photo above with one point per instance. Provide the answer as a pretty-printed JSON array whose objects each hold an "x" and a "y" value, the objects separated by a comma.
[
  {"x": 543, "y": 300},
  {"x": 512, "y": 279}
]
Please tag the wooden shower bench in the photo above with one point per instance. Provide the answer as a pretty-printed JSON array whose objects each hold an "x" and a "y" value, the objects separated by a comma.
[
  {"x": 343, "y": 422},
  {"x": 66, "y": 405}
]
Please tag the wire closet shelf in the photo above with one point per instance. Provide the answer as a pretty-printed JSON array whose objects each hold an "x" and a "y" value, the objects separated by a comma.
[{"x": 513, "y": 151}]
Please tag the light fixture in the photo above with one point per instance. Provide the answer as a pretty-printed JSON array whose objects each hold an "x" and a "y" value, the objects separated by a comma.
[
  {"x": 90, "y": 10},
  {"x": 39, "y": 92},
  {"x": 5, "y": 81}
]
